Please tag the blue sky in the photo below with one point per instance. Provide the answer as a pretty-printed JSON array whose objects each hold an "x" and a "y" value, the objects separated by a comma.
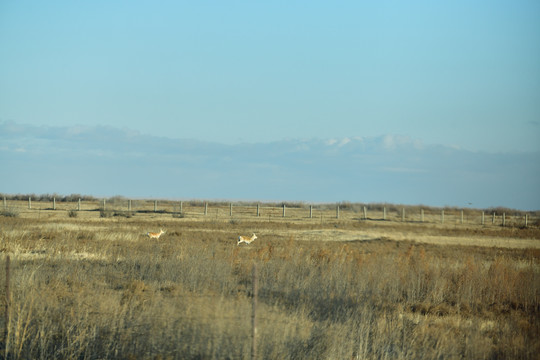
[{"x": 458, "y": 74}]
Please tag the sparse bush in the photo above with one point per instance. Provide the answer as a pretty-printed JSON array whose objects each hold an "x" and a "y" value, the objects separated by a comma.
[
  {"x": 49, "y": 197},
  {"x": 9, "y": 212},
  {"x": 117, "y": 201},
  {"x": 73, "y": 213},
  {"x": 121, "y": 213},
  {"x": 124, "y": 213},
  {"x": 106, "y": 213}
]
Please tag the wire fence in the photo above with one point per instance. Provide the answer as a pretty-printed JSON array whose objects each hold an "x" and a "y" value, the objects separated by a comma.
[{"x": 275, "y": 212}]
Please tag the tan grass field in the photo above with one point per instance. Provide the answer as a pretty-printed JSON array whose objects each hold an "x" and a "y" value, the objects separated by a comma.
[{"x": 90, "y": 285}]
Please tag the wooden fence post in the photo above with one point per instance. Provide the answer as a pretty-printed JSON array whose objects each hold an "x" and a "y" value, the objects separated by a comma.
[
  {"x": 129, "y": 205},
  {"x": 155, "y": 205},
  {"x": 442, "y": 216},
  {"x": 230, "y": 209},
  {"x": 526, "y": 219},
  {"x": 384, "y": 213},
  {"x": 104, "y": 203},
  {"x": 493, "y": 219},
  {"x": 8, "y": 303},
  {"x": 258, "y": 211},
  {"x": 365, "y": 213},
  {"x": 181, "y": 205},
  {"x": 483, "y": 215},
  {"x": 461, "y": 217},
  {"x": 403, "y": 214},
  {"x": 205, "y": 208},
  {"x": 337, "y": 212},
  {"x": 283, "y": 210},
  {"x": 5, "y": 203},
  {"x": 311, "y": 211},
  {"x": 255, "y": 281},
  {"x": 54, "y": 203},
  {"x": 422, "y": 215},
  {"x": 29, "y": 202},
  {"x": 79, "y": 205}
]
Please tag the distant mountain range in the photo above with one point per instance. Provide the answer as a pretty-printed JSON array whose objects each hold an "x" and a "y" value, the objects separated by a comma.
[{"x": 107, "y": 161}]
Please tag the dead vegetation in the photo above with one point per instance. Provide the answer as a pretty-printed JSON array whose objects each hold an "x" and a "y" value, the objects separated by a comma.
[{"x": 89, "y": 287}]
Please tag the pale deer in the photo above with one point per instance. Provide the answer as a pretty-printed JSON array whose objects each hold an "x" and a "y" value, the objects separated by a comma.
[
  {"x": 153, "y": 235},
  {"x": 245, "y": 239}
]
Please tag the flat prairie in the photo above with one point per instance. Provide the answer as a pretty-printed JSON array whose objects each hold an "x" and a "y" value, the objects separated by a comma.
[{"x": 351, "y": 283}]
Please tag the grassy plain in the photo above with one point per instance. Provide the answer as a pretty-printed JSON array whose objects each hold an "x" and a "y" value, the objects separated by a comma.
[{"x": 90, "y": 285}]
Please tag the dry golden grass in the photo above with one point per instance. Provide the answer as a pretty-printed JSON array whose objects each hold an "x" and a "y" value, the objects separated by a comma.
[{"x": 96, "y": 287}]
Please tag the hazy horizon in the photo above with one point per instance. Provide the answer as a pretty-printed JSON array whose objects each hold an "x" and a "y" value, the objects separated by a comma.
[{"x": 104, "y": 161}]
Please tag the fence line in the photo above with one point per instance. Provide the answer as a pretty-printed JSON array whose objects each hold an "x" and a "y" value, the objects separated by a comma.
[{"x": 236, "y": 210}]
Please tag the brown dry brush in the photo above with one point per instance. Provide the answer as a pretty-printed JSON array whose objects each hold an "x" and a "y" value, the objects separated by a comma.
[{"x": 189, "y": 298}]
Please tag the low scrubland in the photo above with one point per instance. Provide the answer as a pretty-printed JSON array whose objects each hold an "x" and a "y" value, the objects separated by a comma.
[{"x": 98, "y": 288}]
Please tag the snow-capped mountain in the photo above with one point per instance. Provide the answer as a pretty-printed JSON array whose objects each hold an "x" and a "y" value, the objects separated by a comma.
[{"x": 105, "y": 161}]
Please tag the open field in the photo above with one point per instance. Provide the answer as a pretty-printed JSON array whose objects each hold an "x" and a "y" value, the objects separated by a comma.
[{"x": 89, "y": 284}]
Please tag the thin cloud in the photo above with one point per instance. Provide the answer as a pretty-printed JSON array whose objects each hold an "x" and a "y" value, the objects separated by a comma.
[{"x": 387, "y": 168}]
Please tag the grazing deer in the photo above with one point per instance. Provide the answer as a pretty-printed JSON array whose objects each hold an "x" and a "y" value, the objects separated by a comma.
[
  {"x": 246, "y": 239},
  {"x": 153, "y": 235}
]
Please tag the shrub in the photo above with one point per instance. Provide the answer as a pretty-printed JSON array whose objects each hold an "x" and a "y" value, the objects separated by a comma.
[
  {"x": 124, "y": 213},
  {"x": 110, "y": 213},
  {"x": 10, "y": 212},
  {"x": 106, "y": 213},
  {"x": 178, "y": 215}
]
